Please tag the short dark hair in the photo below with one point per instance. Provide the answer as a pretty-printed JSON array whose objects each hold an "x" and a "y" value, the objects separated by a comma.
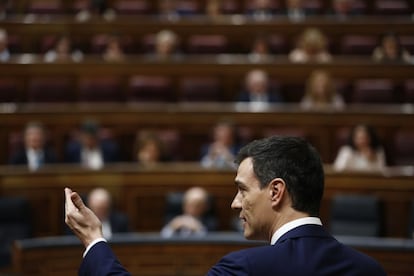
[{"x": 296, "y": 162}]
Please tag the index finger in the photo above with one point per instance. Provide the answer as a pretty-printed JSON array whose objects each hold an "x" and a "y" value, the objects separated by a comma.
[{"x": 69, "y": 206}]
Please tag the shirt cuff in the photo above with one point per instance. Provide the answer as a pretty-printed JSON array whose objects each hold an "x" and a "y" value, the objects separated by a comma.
[{"x": 92, "y": 244}]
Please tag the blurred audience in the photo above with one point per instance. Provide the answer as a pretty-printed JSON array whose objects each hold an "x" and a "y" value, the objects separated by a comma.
[
  {"x": 166, "y": 44},
  {"x": 258, "y": 90},
  {"x": 312, "y": 47},
  {"x": 168, "y": 9},
  {"x": 90, "y": 150},
  {"x": 321, "y": 92},
  {"x": 363, "y": 151},
  {"x": 94, "y": 8},
  {"x": 4, "y": 8},
  {"x": 213, "y": 8},
  {"x": 342, "y": 9},
  {"x": 100, "y": 202},
  {"x": 220, "y": 153},
  {"x": 113, "y": 51},
  {"x": 35, "y": 152},
  {"x": 4, "y": 51},
  {"x": 191, "y": 222},
  {"x": 261, "y": 10},
  {"x": 149, "y": 149},
  {"x": 390, "y": 49},
  {"x": 260, "y": 49},
  {"x": 62, "y": 51},
  {"x": 295, "y": 10}
]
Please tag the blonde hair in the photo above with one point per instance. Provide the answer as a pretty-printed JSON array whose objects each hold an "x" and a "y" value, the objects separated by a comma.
[
  {"x": 330, "y": 89},
  {"x": 314, "y": 39}
]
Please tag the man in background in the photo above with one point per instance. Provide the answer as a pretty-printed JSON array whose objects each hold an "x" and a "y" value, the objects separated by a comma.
[{"x": 34, "y": 153}]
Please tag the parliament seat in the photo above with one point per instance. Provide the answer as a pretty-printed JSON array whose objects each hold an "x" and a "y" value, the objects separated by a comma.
[
  {"x": 403, "y": 147},
  {"x": 392, "y": 7},
  {"x": 44, "y": 7},
  {"x": 408, "y": 93},
  {"x": 149, "y": 89},
  {"x": 9, "y": 90},
  {"x": 207, "y": 44},
  {"x": 373, "y": 91},
  {"x": 15, "y": 223},
  {"x": 356, "y": 215},
  {"x": 354, "y": 44},
  {"x": 199, "y": 89},
  {"x": 131, "y": 7},
  {"x": 50, "y": 89},
  {"x": 100, "y": 89}
]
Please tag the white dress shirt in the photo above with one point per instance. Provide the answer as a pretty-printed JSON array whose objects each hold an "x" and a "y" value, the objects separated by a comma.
[
  {"x": 34, "y": 159},
  {"x": 293, "y": 224}
]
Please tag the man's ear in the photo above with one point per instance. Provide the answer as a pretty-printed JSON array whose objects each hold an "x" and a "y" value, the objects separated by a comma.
[{"x": 277, "y": 190}]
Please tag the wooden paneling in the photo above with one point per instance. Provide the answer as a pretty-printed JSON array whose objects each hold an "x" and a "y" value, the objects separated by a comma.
[{"x": 140, "y": 192}]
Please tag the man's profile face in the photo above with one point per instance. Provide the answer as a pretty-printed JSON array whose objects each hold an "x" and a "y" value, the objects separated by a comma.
[{"x": 253, "y": 203}]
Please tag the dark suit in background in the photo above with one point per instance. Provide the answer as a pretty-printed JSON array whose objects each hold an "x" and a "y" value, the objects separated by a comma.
[
  {"x": 20, "y": 157},
  {"x": 109, "y": 150}
]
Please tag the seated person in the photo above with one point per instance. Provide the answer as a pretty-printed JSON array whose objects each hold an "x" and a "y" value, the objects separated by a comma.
[
  {"x": 257, "y": 89},
  {"x": 222, "y": 151},
  {"x": 362, "y": 153},
  {"x": 149, "y": 149},
  {"x": 99, "y": 201},
  {"x": 113, "y": 51},
  {"x": 191, "y": 222},
  {"x": 321, "y": 92},
  {"x": 35, "y": 152},
  {"x": 95, "y": 7},
  {"x": 90, "y": 150},
  {"x": 62, "y": 52},
  {"x": 4, "y": 51},
  {"x": 260, "y": 49},
  {"x": 342, "y": 9},
  {"x": 295, "y": 10},
  {"x": 261, "y": 10},
  {"x": 390, "y": 50},
  {"x": 170, "y": 10},
  {"x": 213, "y": 8},
  {"x": 165, "y": 44},
  {"x": 312, "y": 47}
]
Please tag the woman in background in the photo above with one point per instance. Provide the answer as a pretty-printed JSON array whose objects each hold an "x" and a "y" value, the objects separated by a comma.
[
  {"x": 362, "y": 153},
  {"x": 312, "y": 47},
  {"x": 390, "y": 50},
  {"x": 321, "y": 92}
]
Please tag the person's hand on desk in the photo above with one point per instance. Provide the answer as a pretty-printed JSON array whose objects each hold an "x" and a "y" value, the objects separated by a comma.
[{"x": 83, "y": 222}]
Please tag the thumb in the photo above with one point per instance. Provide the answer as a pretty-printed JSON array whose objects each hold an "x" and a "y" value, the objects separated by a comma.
[{"x": 77, "y": 201}]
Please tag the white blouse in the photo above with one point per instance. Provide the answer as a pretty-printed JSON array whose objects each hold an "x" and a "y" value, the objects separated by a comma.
[{"x": 349, "y": 159}]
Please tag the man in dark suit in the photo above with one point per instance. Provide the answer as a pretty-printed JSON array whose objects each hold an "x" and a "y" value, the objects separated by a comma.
[
  {"x": 258, "y": 90},
  {"x": 34, "y": 153},
  {"x": 90, "y": 150},
  {"x": 280, "y": 182}
]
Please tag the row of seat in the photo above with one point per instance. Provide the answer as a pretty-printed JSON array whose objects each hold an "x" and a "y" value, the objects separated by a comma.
[
  {"x": 383, "y": 7},
  {"x": 141, "y": 88},
  {"x": 350, "y": 44},
  {"x": 398, "y": 146}
]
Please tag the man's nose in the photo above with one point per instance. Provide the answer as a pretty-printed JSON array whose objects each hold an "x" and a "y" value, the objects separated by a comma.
[{"x": 236, "y": 203}]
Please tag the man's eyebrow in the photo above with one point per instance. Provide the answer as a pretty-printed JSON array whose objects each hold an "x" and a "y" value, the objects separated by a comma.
[{"x": 239, "y": 184}]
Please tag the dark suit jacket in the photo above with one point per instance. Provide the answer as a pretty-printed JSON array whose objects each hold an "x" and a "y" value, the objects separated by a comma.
[
  {"x": 20, "y": 157},
  {"x": 305, "y": 250},
  {"x": 109, "y": 152}
]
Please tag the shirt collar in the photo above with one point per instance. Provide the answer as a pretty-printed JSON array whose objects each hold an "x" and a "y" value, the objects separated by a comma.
[{"x": 293, "y": 224}]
